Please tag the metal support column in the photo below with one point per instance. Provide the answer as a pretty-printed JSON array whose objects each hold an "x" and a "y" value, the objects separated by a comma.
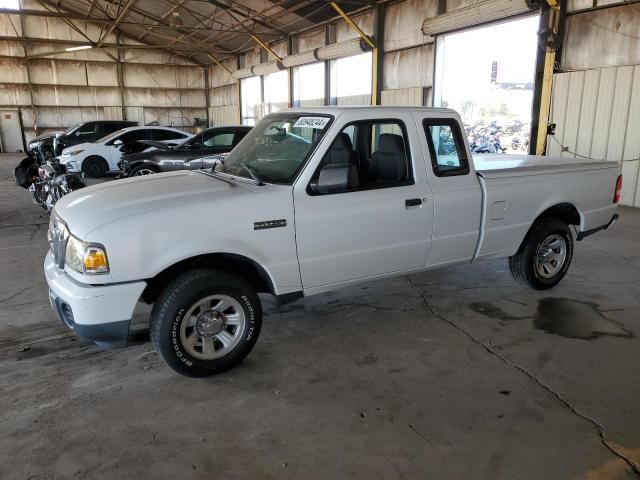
[
  {"x": 377, "y": 63},
  {"x": 120, "y": 75},
  {"x": 550, "y": 36},
  {"x": 207, "y": 95}
]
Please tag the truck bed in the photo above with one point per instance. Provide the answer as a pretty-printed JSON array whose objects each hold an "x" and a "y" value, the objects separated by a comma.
[{"x": 495, "y": 166}]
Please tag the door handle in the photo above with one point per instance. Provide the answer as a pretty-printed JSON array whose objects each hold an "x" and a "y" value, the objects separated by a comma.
[{"x": 412, "y": 202}]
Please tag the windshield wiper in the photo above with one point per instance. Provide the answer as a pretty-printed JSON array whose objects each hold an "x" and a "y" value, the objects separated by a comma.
[{"x": 250, "y": 171}]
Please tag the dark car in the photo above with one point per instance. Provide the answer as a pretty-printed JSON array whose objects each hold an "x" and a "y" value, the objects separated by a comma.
[
  {"x": 86, "y": 132},
  {"x": 185, "y": 156},
  {"x": 42, "y": 146}
]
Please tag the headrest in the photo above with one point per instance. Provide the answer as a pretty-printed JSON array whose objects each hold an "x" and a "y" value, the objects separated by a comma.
[
  {"x": 342, "y": 142},
  {"x": 390, "y": 143}
]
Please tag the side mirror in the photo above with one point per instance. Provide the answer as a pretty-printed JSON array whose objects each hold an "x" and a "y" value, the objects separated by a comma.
[
  {"x": 333, "y": 178},
  {"x": 118, "y": 142},
  {"x": 77, "y": 133}
]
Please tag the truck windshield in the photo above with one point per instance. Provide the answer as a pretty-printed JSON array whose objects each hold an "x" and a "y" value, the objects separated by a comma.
[{"x": 277, "y": 148}]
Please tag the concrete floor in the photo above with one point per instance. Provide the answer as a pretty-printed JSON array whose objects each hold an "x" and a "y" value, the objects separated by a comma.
[{"x": 459, "y": 373}]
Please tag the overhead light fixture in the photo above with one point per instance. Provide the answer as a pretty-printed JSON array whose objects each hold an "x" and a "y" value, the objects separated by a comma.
[{"x": 79, "y": 47}]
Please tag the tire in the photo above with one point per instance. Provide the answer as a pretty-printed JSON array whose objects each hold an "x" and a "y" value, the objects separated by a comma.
[
  {"x": 95, "y": 166},
  {"x": 179, "y": 327},
  {"x": 143, "y": 170},
  {"x": 544, "y": 256}
]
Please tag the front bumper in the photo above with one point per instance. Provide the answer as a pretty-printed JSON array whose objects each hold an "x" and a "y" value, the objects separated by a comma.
[
  {"x": 72, "y": 165},
  {"x": 100, "y": 313}
]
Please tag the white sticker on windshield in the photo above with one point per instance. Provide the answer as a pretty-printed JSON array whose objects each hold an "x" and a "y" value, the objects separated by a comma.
[{"x": 312, "y": 122}]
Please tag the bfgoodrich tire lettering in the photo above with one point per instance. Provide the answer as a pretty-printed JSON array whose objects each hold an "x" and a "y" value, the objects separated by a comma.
[
  {"x": 205, "y": 322},
  {"x": 544, "y": 256}
]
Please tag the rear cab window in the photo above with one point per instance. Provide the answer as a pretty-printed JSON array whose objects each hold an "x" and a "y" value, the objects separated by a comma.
[{"x": 446, "y": 147}]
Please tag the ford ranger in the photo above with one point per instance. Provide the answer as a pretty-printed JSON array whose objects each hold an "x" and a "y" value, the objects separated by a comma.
[{"x": 310, "y": 201}]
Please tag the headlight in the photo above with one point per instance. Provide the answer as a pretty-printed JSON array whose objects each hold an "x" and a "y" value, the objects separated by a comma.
[
  {"x": 74, "y": 152},
  {"x": 86, "y": 257}
]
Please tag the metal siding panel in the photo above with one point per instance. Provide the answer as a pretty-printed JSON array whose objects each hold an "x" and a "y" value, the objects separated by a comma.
[
  {"x": 619, "y": 113},
  {"x": 603, "y": 113},
  {"x": 631, "y": 169},
  {"x": 403, "y": 97},
  {"x": 587, "y": 112},
  {"x": 572, "y": 113},
  {"x": 558, "y": 111}
]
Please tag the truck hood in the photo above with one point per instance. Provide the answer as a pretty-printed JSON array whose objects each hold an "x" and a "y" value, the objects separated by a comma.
[{"x": 98, "y": 205}]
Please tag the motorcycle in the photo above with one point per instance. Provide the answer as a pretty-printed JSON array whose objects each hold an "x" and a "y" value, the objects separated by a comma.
[{"x": 47, "y": 181}]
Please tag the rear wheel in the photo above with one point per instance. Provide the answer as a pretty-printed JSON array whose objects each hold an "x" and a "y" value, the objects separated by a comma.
[
  {"x": 95, "y": 166},
  {"x": 545, "y": 255},
  {"x": 205, "y": 322},
  {"x": 144, "y": 170}
]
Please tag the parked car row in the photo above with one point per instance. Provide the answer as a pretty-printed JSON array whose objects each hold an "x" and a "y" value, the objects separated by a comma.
[
  {"x": 93, "y": 149},
  {"x": 109, "y": 146},
  {"x": 194, "y": 153}
]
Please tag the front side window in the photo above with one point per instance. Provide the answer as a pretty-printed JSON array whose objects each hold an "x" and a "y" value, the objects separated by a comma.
[
  {"x": 277, "y": 148},
  {"x": 446, "y": 147},
  {"x": 365, "y": 155},
  {"x": 71, "y": 128},
  {"x": 87, "y": 129},
  {"x": 219, "y": 140}
]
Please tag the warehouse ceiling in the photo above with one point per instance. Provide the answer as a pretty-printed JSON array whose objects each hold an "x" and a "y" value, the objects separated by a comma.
[{"x": 202, "y": 30}]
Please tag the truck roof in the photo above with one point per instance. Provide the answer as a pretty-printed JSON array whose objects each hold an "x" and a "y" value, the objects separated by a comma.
[{"x": 337, "y": 109}]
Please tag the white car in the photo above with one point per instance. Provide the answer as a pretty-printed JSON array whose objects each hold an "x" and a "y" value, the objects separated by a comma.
[
  {"x": 310, "y": 201},
  {"x": 96, "y": 159}
]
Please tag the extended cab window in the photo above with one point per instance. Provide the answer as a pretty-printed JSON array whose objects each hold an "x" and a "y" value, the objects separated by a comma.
[
  {"x": 365, "y": 155},
  {"x": 446, "y": 147}
]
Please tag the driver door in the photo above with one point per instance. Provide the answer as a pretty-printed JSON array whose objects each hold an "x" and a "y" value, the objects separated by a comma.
[{"x": 377, "y": 223}]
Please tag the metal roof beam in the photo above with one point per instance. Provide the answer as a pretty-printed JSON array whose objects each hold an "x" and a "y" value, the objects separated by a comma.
[{"x": 113, "y": 26}]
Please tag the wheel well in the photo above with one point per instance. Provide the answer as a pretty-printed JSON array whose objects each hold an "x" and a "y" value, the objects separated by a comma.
[
  {"x": 239, "y": 265},
  {"x": 563, "y": 211}
]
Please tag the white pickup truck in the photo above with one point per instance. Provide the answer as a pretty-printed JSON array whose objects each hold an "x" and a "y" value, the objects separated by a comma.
[{"x": 309, "y": 201}]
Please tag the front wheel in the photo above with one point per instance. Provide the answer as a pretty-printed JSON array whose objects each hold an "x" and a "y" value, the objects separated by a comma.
[
  {"x": 545, "y": 255},
  {"x": 205, "y": 322},
  {"x": 95, "y": 166}
]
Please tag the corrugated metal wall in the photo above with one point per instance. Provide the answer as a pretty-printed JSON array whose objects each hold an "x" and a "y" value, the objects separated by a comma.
[
  {"x": 84, "y": 85},
  {"x": 597, "y": 113}
]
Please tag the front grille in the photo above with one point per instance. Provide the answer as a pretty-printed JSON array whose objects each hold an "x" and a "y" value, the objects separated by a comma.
[{"x": 58, "y": 236}]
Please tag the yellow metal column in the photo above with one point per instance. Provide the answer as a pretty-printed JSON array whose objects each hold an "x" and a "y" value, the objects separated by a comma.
[{"x": 547, "y": 77}]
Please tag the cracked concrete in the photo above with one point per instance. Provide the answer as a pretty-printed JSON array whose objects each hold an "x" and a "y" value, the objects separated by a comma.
[
  {"x": 598, "y": 427},
  {"x": 401, "y": 378}
]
